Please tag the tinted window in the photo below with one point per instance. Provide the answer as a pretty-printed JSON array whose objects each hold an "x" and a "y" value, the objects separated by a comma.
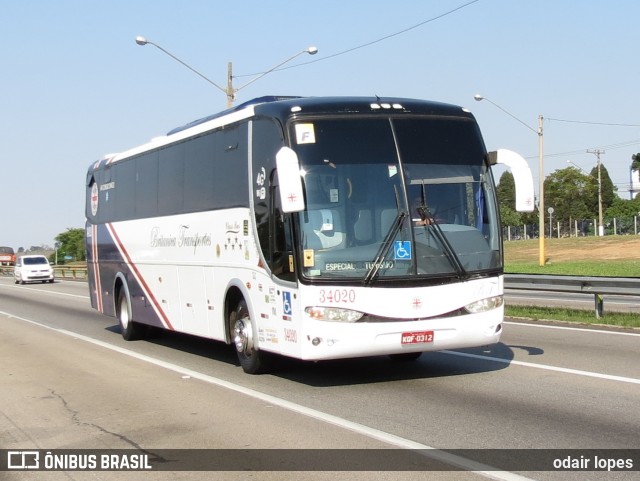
[
  {"x": 32, "y": 261},
  {"x": 199, "y": 165},
  {"x": 147, "y": 185},
  {"x": 201, "y": 173},
  {"x": 170, "y": 179},
  {"x": 231, "y": 183},
  {"x": 124, "y": 190}
]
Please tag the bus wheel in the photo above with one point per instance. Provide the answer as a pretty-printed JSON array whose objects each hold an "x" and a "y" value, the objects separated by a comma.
[
  {"x": 130, "y": 330},
  {"x": 406, "y": 356},
  {"x": 251, "y": 359}
]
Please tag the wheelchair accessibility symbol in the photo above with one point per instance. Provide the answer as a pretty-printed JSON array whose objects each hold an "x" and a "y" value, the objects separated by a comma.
[
  {"x": 286, "y": 303},
  {"x": 402, "y": 250}
]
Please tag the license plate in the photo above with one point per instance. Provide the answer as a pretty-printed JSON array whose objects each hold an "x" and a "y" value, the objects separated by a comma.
[{"x": 417, "y": 337}]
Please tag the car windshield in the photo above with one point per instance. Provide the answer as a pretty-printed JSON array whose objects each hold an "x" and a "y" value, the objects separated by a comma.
[
  {"x": 395, "y": 197},
  {"x": 32, "y": 261}
]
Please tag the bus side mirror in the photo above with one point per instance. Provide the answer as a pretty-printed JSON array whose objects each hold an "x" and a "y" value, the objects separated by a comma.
[
  {"x": 289, "y": 180},
  {"x": 521, "y": 176}
]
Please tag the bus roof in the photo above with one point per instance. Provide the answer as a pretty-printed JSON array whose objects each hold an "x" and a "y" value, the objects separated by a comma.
[
  {"x": 283, "y": 107},
  {"x": 357, "y": 105}
]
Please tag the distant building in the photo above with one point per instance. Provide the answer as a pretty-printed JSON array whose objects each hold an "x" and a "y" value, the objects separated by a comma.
[{"x": 635, "y": 183}]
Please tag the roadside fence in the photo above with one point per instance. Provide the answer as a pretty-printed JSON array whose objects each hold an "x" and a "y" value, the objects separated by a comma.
[{"x": 574, "y": 228}]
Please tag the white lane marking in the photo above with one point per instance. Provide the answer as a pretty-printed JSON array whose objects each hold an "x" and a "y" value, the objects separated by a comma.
[
  {"x": 569, "y": 328},
  {"x": 42, "y": 291},
  {"x": 428, "y": 451},
  {"x": 544, "y": 366}
]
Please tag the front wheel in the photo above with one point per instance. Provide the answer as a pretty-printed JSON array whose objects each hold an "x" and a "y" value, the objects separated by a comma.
[{"x": 241, "y": 328}]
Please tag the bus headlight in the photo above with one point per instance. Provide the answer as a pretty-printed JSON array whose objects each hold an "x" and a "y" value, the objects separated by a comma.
[
  {"x": 484, "y": 305},
  {"x": 334, "y": 314}
]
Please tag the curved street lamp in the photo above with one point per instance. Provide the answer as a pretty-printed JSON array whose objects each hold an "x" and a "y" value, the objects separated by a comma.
[{"x": 229, "y": 91}]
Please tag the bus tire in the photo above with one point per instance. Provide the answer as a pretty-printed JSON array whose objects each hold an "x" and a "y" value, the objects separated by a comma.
[
  {"x": 406, "y": 356},
  {"x": 130, "y": 329},
  {"x": 241, "y": 329}
]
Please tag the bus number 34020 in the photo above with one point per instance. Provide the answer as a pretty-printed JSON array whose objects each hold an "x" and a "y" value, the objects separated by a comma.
[{"x": 337, "y": 295}]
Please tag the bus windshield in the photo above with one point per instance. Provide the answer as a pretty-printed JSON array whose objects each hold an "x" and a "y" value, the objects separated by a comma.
[{"x": 395, "y": 198}]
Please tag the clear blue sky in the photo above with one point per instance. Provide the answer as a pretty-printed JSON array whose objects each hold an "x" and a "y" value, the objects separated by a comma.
[{"x": 74, "y": 86}]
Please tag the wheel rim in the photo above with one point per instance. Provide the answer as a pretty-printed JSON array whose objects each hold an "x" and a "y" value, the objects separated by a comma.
[
  {"x": 242, "y": 336},
  {"x": 124, "y": 313}
]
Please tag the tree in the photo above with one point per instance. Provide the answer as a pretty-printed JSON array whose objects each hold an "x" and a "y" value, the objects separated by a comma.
[
  {"x": 506, "y": 193},
  {"x": 608, "y": 189},
  {"x": 571, "y": 194},
  {"x": 635, "y": 164},
  {"x": 506, "y": 190},
  {"x": 71, "y": 243},
  {"x": 509, "y": 217},
  {"x": 623, "y": 208}
]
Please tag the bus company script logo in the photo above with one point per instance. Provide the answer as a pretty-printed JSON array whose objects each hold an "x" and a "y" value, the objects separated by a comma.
[{"x": 182, "y": 238}]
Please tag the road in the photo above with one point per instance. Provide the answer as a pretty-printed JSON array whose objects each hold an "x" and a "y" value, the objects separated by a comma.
[{"x": 70, "y": 381}]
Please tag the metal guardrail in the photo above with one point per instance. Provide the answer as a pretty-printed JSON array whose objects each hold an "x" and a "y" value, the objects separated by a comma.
[
  {"x": 60, "y": 272},
  {"x": 598, "y": 286},
  {"x": 70, "y": 273}
]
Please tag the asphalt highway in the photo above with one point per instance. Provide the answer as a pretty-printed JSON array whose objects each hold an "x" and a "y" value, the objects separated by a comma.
[{"x": 69, "y": 381}]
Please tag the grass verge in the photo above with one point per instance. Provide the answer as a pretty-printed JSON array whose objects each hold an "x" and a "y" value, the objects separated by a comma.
[
  {"x": 619, "y": 319},
  {"x": 595, "y": 268}
]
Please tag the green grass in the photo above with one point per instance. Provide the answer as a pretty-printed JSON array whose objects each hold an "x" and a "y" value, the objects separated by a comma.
[
  {"x": 630, "y": 320},
  {"x": 611, "y": 256},
  {"x": 596, "y": 267}
]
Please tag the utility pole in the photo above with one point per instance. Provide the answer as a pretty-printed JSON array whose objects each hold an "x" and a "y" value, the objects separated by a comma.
[
  {"x": 597, "y": 153},
  {"x": 231, "y": 93},
  {"x": 540, "y": 132}
]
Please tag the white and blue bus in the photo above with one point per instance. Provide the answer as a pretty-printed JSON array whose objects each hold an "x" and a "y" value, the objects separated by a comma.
[{"x": 313, "y": 228}]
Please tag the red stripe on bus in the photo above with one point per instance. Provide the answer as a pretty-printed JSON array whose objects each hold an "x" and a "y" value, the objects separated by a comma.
[
  {"x": 139, "y": 277},
  {"x": 96, "y": 267}
]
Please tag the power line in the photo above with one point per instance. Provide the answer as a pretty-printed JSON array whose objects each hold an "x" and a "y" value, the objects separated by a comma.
[
  {"x": 592, "y": 123},
  {"x": 581, "y": 151},
  {"x": 368, "y": 44}
]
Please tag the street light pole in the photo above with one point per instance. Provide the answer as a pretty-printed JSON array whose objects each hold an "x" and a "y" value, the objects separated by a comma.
[
  {"x": 143, "y": 41},
  {"x": 540, "y": 133},
  {"x": 310, "y": 51},
  {"x": 229, "y": 91}
]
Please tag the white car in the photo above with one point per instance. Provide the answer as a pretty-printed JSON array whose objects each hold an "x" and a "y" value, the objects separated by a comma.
[{"x": 32, "y": 269}]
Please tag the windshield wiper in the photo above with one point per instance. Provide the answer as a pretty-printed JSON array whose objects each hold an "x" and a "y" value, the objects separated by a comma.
[
  {"x": 384, "y": 247},
  {"x": 444, "y": 242}
]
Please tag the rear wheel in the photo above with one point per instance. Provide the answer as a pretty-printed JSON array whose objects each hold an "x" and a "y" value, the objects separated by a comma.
[
  {"x": 241, "y": 329},
  {"x": 131, "y": 330}
]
